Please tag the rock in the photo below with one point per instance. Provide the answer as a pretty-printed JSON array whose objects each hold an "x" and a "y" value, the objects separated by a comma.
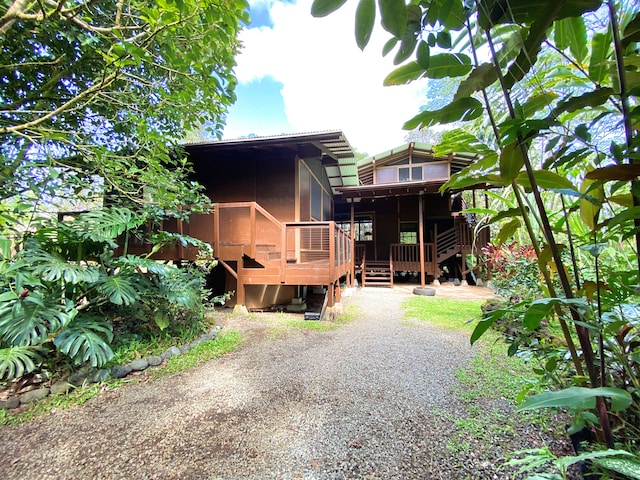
[
  {"x": 11, "y": 402},
  {"x": 60, "y": 387},
  {"x": 34, "y": 395},
  {"x": 172, "y": 352},
  {"x": 154, "y": 360},
  {"x": 101, "y": 375},
  {"x": 457, "y": 282},
  {"x": 184, "y": 348},
  {"x": 139, "y": 365},
  {"x": 121, "y": 371},
  {"x": 479, "y": 283},
  {"x": 80, "y": 377},
  {"x": 195, "y": 343}
]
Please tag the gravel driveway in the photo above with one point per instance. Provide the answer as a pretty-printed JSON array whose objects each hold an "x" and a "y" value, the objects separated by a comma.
[{"x": 356, "y": 402}]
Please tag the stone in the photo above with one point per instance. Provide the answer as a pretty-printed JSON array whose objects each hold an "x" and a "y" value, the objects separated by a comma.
[
  {"x": 34, "y": 395},
  {"x": 79, "y": 378},
  {"x": 154, "y": 360},
  {"x": 457, "y": 282},
  {"x": 479, "y": 283},
  {"x": 195, "y": 343},
  {"x": 184, "y": 348},
  {"x": 139, "y": 365},
  {"x": 60, "y": 387},
  {"x": 121, "y": 371},
  {"x": 101, "y": 375},
  {"x": 9, "y": 403},
  {"x": 171, "y": 352}
]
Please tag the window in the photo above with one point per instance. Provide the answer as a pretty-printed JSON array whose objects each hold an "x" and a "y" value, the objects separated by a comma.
[
  {"x": 408, "y": 232},
  {"x": 363, "y": 228},
  {"x": 416, "y": 171}
]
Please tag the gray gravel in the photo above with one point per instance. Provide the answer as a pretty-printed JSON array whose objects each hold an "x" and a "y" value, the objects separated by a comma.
[{"x": 363, "y": 401}]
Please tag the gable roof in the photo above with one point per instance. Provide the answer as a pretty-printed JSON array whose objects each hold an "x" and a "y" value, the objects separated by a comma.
[{"x": 409, "y": 150}]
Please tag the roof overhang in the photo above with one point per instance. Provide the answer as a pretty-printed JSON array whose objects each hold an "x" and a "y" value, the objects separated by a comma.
[
  {"x": 332, "y": 147},
  {"x": 391, "y": 189}
]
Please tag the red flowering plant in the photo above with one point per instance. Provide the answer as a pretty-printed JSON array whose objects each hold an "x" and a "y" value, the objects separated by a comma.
[{"x": 515, "y": 271}]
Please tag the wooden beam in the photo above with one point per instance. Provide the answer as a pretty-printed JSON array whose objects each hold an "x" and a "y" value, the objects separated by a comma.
[
  {"x": 421, "y": 235},
  {"x": 353, "y": 243}
]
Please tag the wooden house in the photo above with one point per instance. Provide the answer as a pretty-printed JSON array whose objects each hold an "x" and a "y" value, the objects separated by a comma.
[
  {"x": 400, "y": 221},
  {"x": 284, "y": 207}
]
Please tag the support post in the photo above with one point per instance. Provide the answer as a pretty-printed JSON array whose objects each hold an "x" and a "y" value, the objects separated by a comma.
[
  {"x": 353, "y": 243},
  {"x": 421, "y": 237},
  {"x": 240, "y": 297}
]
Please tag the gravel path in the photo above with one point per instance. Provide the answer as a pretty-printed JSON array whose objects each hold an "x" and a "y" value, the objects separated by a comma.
[{"x": 357, "y": 402}]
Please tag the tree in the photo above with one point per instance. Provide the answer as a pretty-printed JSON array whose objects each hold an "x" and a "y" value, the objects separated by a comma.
[
  {"x": 95, "y": 96},
  {"x": 557, "y": 85},
  {"x": 103, "y": 90}
]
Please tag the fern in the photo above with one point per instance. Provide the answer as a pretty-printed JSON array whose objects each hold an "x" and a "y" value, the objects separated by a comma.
[
  {"x": 18, "y": 361},
  {"x": 83, "y": 341}
]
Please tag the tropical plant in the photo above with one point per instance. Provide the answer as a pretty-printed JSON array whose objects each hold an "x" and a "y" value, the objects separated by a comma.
[
  {"x": 64, "y": 286},
  {"x": 551, "y": 90}
]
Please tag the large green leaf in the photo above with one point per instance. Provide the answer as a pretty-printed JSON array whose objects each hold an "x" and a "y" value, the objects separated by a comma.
[
  {"x": 30, "y": 320},
  {"x": 107, "y": 224},
  {"x": 546, "y": 179},
  {"x": 537, "y": 102},
  {"x": 459, "y": 140},
  {"x": 84, "y": 342},
  {"x": 579, "y": 398},
  {"x": 365, "y": 19},
  {"x": 629, "y": 467},
  {"x": 121, "y": 289},
  {"x": 599, "y": 62},
  {"x": 322, "y": 8},
  {"x": 589, "y": 210},
  {"x": 508, "y": 230},
  {"x": 405, "y": 74},
  {"x": 493, "y": 12},
  {"x": 459, "y": 110},
  {"x": 571, "y": 33},
  {"x": 591, "y": 99},
  {"x": 394, "y": 16},
  {"x": 448, "y": 65},
  {"x": 631, "y": 32},
  {"x": 53, "y": 268},
  {"x": 407, "y": 46},
  {"x": 532, "y": 45},
  {"x": 535, "y": 313},
  {"x": 511, "y": 161},
  {"x": 480, "y": 78},
  {"x": 449, "y": 13},
  {"x": 18, "y": 361}
]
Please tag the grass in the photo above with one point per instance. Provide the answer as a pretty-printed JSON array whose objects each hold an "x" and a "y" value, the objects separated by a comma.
[
  {"x": 225, "y": 342},
  {"x": 449, "y": 313},
  {"x": 491, "y": 375}
]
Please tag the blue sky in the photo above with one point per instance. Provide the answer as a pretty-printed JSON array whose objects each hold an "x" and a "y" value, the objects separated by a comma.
[{"x": 301, "y": 74}]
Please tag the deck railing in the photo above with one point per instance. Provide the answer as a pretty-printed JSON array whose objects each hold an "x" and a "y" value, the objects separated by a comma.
[
  {"x": 245, "y": 228},
  {"x": 406, "y": 257},
  {"x": 318, "y": 245}
]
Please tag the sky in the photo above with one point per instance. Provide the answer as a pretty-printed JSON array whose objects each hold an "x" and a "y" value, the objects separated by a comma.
[{"x": 300, "y": 74}]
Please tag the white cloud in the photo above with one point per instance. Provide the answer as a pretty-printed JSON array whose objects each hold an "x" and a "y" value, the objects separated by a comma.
[{"x": 328, "y": 83}]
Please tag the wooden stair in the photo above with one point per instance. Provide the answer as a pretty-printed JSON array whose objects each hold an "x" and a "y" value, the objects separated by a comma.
[{"x": 377, "y": 274}]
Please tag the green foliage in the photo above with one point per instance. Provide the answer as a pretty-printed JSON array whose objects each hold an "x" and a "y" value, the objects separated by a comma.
[
  {"x": 100, "y": 93},
  {"x": 53, "y": 305},
  {"x": 560, "y": 136}
]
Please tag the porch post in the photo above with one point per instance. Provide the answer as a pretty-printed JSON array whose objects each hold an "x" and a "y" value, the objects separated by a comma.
[
  {"x": 353, "y": 245},
  {"x": 240, "y": 297},
  {"x": 421, "y": 237}
]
